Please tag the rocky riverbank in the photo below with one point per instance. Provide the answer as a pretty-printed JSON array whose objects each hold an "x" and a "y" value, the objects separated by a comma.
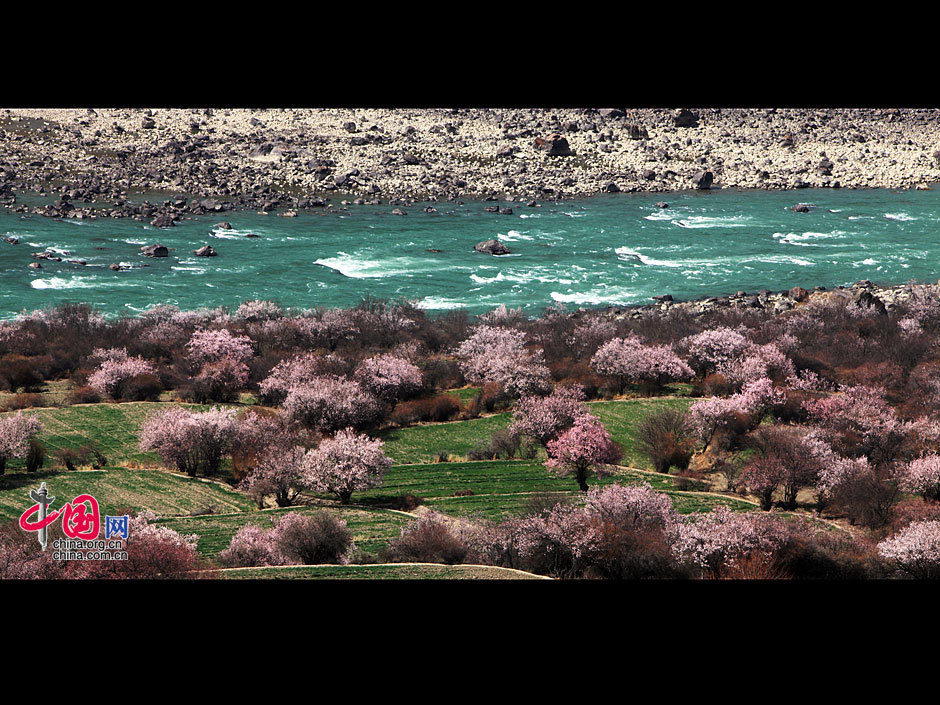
[
  {"x": 279, "y": 161},
  {"x": 882, "y": 298}
]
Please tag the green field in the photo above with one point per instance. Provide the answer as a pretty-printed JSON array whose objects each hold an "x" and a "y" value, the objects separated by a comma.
[
  {"x": 421, "y": 444},
  {"x": 371, "y": 528},
  {"x": 114, "y": 429},
  {"x": 506, "y": 487},
  {"x": 121, "y": 489},
  {"x": 215, "y": 511}
]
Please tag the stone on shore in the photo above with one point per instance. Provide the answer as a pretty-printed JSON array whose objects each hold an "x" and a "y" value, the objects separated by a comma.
[
  {"x": 798, "y": 293},
  {"x": 555, "y": 145},
  {"x": 703, "y": 180},
  {"x": 684, "y": 117}
]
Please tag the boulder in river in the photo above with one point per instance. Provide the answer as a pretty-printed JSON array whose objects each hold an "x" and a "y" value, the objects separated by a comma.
[
  {"x": 155, "y": 250},
  {"x": 491, "y": 247},
  {"x": 224, "y": 225},
  {"x": 800, "y": 208},
  {"x": 205, "y": 251},
  {"x": 162, "y": 221}
]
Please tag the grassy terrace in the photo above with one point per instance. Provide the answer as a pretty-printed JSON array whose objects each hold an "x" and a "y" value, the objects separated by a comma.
[
  {"x": 421, "y": 444},
  {"x": 372, "y": 528},
  {"x": 117, "y": 488},
  {"x": 215, "y": 511},
  {"x": 113, "y": 428}
]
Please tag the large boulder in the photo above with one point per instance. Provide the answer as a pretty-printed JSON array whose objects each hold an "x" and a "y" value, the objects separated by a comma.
[
  {"x": 798, "y": 293},
  {"x": 155, "y": 250},
  {"x": 491, "y": 247},
  {"x": 637, "y": 133},
  {"x": 703, "y": 180},
  {"x": 869, "y": 300},
  {"x": 162, "y": 221},
  {"x": 554, "y": 145},
  {"x": 684, "y": 117},
  {"x": 205, "y": 251}
]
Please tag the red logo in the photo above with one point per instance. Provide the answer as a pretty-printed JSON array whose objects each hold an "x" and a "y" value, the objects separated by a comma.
[{"x": 80, "y": 518}]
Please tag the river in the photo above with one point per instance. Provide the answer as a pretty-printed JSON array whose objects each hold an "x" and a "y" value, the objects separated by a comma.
[{"x": 610, "y": 249}]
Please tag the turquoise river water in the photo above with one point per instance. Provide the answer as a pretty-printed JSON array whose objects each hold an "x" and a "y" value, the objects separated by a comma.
[{"x": 610, "y": 249}]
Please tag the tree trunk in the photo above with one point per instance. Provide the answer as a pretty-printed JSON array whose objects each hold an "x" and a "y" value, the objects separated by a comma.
[
  {"x": 345, "y": 496},
  {"x": 582, "y": 479}
]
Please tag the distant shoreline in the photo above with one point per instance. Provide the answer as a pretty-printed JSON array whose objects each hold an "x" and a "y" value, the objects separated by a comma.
[
  {"x": 282, "y": 160},
  {"x": 778, "y": 300}
]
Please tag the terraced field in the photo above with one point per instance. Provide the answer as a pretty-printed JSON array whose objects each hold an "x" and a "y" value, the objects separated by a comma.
[
  {"x": 421, "y": 444},
  {"x": 117, "y": 488},
  {"x": 112, "y": 428},
  {"x": 372, "y": 528},
  {"x": 214, "y": 511}
]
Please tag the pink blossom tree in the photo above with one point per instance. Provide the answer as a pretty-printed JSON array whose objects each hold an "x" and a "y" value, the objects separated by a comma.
[
  {"x": 115, "y": 369},
  {"x": 331, "y": 403},
  {"x": 251, "y": 545},
  {"x": 255, "y": 310},
  {"x": 347, "y": 463},
  {"x": 212, "y": 345},
  {"x": 497, "y": 354},
  {"x": 712, "y": 348},
  {"x": 721, "y": 538},
  {"x": 584, "y": 447},
  {"x": 560, "y": 542},
  {"x": 220, "y": 381},
  {"x": 629, "y": 360},
  {"x": 915, "y": 550},
  {"x": 708, "y": 416},
  {"x": 295, "y": 371},
  {"x": 922, "y": 476},
  {"x": 328, "y": 327},
  {"x": 388, "y": 377},
  {"x": 860, "y": 412},
  {"x": 758, "y": 362},
  {"x": 193, "y": 441},
  {"x": 544, "y": 418},
  {"x": 631, "y": 506},
  {"x": 16, "y": 431},
  {"x": 278, "y": 473}
]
